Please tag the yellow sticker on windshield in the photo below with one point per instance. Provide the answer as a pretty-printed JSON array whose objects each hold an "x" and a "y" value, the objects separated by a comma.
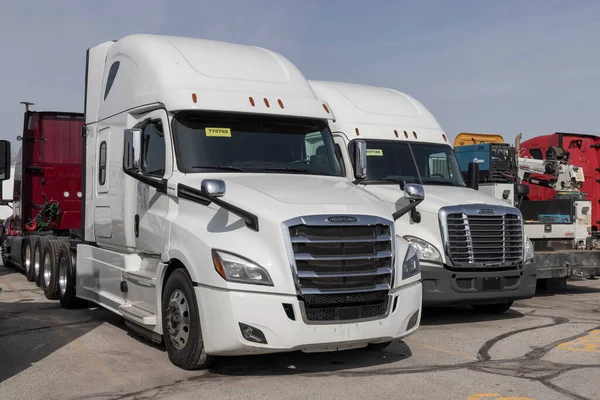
[
  {"x": 374, "y": 152},
  {"x": 218, "y": 132}
]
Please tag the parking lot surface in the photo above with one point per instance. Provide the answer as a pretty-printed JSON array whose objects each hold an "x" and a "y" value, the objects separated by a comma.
[{"x": 545, "y": 348}]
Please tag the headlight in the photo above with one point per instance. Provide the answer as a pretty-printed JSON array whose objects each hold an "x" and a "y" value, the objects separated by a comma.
[
  {"x": 234, "y": 268},
  {"x": 425, "y": 250},
  {"x": 410, "y": 266},
  {"x": 529, "y": 253}
]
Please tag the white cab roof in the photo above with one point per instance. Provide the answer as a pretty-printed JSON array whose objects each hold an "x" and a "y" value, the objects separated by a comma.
[
  {"x": 187, "y": 73},
  {"x": 378, "y": 113}
]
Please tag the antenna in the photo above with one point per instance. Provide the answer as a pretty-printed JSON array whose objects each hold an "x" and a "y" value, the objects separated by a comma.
[{"x": 27, "y": 104}]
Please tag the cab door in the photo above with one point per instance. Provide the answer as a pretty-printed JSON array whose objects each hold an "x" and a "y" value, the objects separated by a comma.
[{"x": 150, "y": 227}]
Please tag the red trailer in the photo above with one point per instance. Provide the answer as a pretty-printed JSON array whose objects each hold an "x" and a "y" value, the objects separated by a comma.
[
  {"x": 47, "y": 202},
  {"x": 583, "y": 152}
]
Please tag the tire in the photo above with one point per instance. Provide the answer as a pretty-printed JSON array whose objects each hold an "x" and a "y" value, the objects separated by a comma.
[
  {"x": 49, "y": 268},
  {"x": 37, "y": 245},
  {"x": 27, "y": 257},
  {"x": 181, "y": 323},
  {"x": 498, "y": 308},
  {"x": 66, "y": 276},
  {"x": 378, "y": 346}
]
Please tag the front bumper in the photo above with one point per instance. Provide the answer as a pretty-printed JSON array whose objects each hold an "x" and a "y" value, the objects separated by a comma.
[
  {"x": 566, "y": 263},
  {"x": 222, "y": 311},
  {"x": 442, "y": 286}
]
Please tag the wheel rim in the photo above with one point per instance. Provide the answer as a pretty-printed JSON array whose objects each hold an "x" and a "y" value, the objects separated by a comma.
[
  {"x": 27, "y": 258},
  {"x": 36, "y": 261},
  {"x": 178, "y": 319},
  {"x": 47, "y": 271},
  {"x": 62, "y": 275}
]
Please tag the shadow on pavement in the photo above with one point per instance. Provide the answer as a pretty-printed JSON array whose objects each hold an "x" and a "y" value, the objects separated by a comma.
[
  {"x": 30, "y": 331},
  {"x": 451, "y": 315},
  {"x": 573, "y": 286},
  {"x": 302, "y": 363}
]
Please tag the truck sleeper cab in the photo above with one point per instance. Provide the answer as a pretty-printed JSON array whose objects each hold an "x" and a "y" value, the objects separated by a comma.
[
  {"x": 216, "y": 215},
  {"x": 471, "y": 246}
]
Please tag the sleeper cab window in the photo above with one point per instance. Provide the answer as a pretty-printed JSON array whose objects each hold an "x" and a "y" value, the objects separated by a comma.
[
  {"x": 112, "y": 74},
  {"x": 102, "y": 164}
]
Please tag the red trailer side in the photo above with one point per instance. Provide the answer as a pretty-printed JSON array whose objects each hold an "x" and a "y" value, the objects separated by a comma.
[{"x": 50, "y": 173}]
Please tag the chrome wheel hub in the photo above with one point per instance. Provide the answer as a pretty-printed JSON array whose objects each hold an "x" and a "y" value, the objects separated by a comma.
[
  {"x": 27, "y": 258},
  {"x": 177, "y": 316},
  {"x": 47, "y": 271},
  {"x": 36, "y": 262},
  {"x": 62, "y": 276}
]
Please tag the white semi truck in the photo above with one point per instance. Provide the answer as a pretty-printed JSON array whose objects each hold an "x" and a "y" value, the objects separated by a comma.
[
  {"x": 217, "y": 217},
  {"x": 472, "y": 247}
]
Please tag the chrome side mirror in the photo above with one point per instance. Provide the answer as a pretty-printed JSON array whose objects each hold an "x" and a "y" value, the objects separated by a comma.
[
  {"x": 360, "y": 159},
  {"x": 414, "y": 191},
  {"x": 415, "y": 194},
  {"x": 5, "y": 160},
  {"x": 132, "y": 153},
  {"x": 213, "y": 188}
]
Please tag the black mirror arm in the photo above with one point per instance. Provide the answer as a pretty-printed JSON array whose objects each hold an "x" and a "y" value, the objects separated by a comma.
[
  {"x": 250, "y": 219},
  {"x": 414, "y": 214}
]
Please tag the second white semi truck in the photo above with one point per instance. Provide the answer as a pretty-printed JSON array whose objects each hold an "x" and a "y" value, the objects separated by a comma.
[
  {"x": 216, "y": 215},
  {"x": 472, "y": 247}
]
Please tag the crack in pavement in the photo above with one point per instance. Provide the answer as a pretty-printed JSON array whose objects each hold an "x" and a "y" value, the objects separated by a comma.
[
  {"x": 46, "y": 327},
  {"x": 530, "y": 367}
]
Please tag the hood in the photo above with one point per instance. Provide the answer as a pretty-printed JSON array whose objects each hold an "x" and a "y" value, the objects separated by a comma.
[
  {"x": 281, "y": 197},
  {"x": 436, "y": 197}
]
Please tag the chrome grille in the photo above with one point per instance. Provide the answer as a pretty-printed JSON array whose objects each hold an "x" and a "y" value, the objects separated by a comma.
[
  {"x": 343, "y": 271},
  {"x": 493, "y": 238}
]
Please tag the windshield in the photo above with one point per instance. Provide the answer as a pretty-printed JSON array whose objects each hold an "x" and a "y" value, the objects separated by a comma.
[
  {"x": 249, "y": 143},
  {"x": 411, "y": 162}
]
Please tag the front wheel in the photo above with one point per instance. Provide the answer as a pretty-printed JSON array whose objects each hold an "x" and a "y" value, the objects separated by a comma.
[
  {"x": 181, "y": 323},
  {"x": 498, "y": 308}
]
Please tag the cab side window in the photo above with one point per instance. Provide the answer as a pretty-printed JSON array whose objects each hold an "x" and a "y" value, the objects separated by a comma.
[{"x": 153, "y": 149}]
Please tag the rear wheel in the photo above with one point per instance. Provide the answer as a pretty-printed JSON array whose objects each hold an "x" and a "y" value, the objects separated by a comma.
[
  {"x": 498, "y": 308},
  {"x": 49, "y": 268},
  {"x": 27, "y": 258},
  {"x": 66, "y": 278},
  {"x": 181, "y": 323},
  {"x": 37, "y": 245}
]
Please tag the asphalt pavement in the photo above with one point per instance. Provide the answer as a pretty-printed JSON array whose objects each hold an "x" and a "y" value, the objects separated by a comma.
[{"x": 544, "y": 348}]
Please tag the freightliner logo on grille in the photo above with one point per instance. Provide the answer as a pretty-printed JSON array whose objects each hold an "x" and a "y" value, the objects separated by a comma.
[
  {"x": 485, "y": 211},
  {"x": 342, "y": 219}
]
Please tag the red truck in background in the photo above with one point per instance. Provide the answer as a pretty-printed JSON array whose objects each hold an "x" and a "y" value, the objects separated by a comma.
[
  {"x": 47, "y": 194},
  {"x": 584, "y": 153}
]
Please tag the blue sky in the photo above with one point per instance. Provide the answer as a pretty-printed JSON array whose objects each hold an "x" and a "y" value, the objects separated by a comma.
[{"x": 480, "y": 66}]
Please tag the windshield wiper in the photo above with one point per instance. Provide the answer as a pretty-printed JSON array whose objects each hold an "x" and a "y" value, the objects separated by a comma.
[
  {"x": 219, "y": 168},
  {"x": 291, "y": 170},
  {"x": 441, "y": 183},
  {"x": 383, "y": 181}
]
